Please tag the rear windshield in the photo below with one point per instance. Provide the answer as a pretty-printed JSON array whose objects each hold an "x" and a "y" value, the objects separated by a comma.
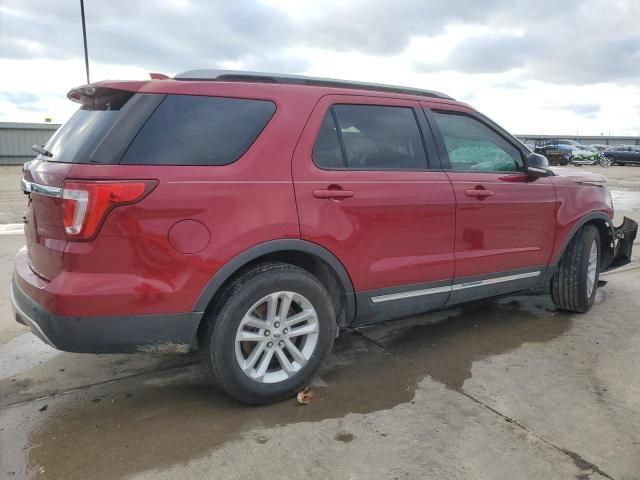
[
  {"x": 80, "y": 135},
  {"x": 198, "y": 130}
]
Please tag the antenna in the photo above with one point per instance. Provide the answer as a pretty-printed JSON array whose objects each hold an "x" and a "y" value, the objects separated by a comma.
[{"x": 84, "y": 37}]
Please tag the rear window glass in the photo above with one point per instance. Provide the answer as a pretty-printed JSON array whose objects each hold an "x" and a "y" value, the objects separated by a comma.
[
  {"x": 76, "y": 140},
  {"x": 197, "y": 130},
  {"x": 78, "y": 137}
]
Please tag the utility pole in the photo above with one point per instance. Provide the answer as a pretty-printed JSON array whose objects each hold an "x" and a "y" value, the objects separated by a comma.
[{"x": 84, "y": 37}]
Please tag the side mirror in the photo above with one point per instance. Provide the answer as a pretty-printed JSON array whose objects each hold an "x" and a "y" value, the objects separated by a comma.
[{"x": 537, "y": 165}]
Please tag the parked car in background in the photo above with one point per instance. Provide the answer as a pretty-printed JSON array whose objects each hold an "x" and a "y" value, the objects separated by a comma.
[
  {"x": 564, "y": 154},
  {"x": 254, "y": 217},
  {"x": 562, "y": 142},
  {"x": 556, "y": 154},
  {"x": 624, "y": 154},
  {"x": 588, "y": 148},
  {"x": 600, "y": 147}
]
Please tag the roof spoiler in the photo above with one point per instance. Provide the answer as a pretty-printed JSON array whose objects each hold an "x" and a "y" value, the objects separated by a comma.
[{"x": 95, "y": 97}]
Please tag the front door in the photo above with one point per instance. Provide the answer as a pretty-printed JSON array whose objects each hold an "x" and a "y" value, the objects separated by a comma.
[
  {"x": 505, "y": 220},
  {"x": 369, "y": 190}
]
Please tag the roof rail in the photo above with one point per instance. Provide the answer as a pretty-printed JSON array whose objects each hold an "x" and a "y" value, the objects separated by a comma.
[{"x": 260, "y": 77}]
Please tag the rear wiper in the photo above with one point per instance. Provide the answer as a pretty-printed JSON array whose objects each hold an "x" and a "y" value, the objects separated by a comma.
[{"x": 41, "y": 150}]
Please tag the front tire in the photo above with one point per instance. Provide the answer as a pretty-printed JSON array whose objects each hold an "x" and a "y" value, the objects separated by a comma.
[
  {"x": 269, "y": 333},
  {"x": 574, "y": 284}
]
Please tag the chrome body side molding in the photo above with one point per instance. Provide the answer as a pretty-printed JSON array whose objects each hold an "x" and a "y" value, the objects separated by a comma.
[{"x": 454, "y": 287}]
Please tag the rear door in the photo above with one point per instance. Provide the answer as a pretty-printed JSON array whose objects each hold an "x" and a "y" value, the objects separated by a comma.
[
  {"x": 370, "y": 190},
  {"x": 505, "y": 220}
]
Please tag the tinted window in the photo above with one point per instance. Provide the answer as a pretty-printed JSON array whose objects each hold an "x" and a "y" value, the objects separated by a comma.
[
  {"x": 327, "y": 152},
  {"x": 193, "y": 130},
  {"x": 374, "y": 138},
  {"x": 76, "y": 139},
  {"x": 471, "y": 145}
]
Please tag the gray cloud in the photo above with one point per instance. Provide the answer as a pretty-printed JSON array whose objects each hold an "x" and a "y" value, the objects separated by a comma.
[
  {"x": 486, "y": 54},
  {"x": 382, "y": 27},
  {"x": 586, "y": 110},
  {"x": 577, "y": 42},
  {"x": 148, "y": 33},
  {"x": 19, "y": 97},
  {"x": 598, "y": 42},
  {"x": 24, "y": 100}
]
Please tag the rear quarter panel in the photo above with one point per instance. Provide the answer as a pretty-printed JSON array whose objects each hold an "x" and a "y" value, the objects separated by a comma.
[{"x": 242, "y": 204}]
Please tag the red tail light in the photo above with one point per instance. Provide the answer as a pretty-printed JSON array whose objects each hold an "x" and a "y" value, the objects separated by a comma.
[{"x": 85, "y": 204}]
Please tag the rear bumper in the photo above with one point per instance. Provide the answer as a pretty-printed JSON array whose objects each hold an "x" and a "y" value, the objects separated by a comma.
[
  {"x": 624, "y": 236},
  {"x": 171, "y": 333}
]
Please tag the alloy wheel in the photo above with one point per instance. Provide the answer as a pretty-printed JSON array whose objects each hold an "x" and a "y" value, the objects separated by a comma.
[
  {"x": 276, "y": 337},
  {"x": 592, "y": 268}
]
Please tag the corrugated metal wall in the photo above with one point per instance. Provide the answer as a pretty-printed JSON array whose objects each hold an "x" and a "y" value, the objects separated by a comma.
[
  {"x": 584, "y": 139},
  {"x": 16, "y": 140}
]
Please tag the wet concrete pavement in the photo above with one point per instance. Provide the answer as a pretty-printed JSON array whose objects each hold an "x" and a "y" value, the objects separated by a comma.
[{"x": 506, "y": 388}]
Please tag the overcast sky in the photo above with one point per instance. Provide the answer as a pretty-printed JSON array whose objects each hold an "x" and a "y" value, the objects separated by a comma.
[{"x": 535, "y": 66}]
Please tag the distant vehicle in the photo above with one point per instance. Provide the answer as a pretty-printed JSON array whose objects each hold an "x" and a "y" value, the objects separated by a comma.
[
  {"x": 564, "y": 154},
  {"x": 624, "y": 154},
  {"x": 582, "y": 156},
  {"x": 572, "y": 143},
  {"x": 588, "y": 148},
  {"x": 601, "y": 148},
  {"x": 558, "y": 154},
  {"x": 562, "y": 142}
]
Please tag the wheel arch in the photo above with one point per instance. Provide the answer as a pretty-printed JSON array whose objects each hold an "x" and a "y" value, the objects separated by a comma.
[
  {"x": 308, "y": 255},
  {"x": 604, "y": 224}
]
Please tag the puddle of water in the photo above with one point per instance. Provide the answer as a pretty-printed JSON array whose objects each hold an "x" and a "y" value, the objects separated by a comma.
[
  {"x": 135, "y": 425},
  {"x": 627, "y": 200},
  {"x": 169, "y": 418},
  {"x": 446, "y": 350},
  {"x": 11, "y": 228}
]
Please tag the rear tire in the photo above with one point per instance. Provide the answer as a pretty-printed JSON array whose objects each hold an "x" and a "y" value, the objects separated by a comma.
[
  {"x": 574, "y": 284},
  {"x": 284, "y": 360}
]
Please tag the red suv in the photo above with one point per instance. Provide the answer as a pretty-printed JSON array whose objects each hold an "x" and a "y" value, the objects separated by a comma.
[{"x": 255, "y": 216}]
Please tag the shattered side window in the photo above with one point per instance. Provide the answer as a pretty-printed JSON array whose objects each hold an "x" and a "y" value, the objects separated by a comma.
[{"x": 472, "y": 146}]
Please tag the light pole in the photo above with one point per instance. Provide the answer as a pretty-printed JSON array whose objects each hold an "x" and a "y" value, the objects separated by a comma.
[{"x": 84, "y": 37}]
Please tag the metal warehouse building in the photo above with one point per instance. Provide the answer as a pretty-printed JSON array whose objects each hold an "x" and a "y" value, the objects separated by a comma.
[
  {"x": 584, "y": 139},
  {"x": 16, "y": 140}
]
